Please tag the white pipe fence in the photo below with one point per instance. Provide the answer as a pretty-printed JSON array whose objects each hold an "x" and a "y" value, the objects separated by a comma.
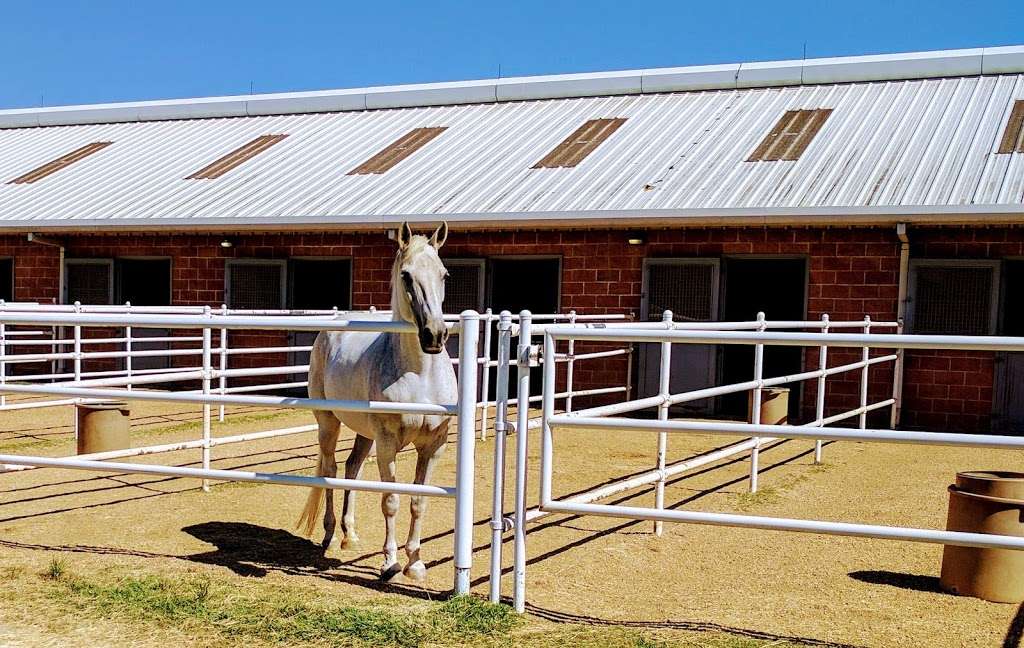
[
  {"x": 204, "y": 321},
  {"x": 607, "y": 419},
  {"x": 629, "y": 334}
]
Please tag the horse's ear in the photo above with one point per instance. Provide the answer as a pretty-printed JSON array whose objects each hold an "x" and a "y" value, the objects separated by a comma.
[
  {"x": 404, "y": 236},
  {"x": 439, "y": 236}
]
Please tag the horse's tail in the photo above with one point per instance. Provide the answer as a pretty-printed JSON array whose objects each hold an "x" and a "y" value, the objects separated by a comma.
[
  {"x": 315, "y": 501},
  {"x": 311, "y": 513}
]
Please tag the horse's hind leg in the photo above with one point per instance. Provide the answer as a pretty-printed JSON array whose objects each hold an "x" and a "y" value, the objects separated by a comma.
[
  {"x": 426, "y": 457},
  {"x": 330, "y": 426},
  {"x": 353, "y": 467}
]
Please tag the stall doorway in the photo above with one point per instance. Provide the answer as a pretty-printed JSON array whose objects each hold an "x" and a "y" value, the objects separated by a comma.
[
  {"x": 778, "y": 288},
  {"x": 145, "y": 282},
  {"x": 1008, "y": 396},
  {"x": 525, "y": 284},
  {"x": 689, "y": 288},
  {"x": 516, "y": 284}
]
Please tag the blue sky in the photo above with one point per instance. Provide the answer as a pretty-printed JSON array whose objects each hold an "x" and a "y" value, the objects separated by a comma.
[{"x": 64, "y": 52}]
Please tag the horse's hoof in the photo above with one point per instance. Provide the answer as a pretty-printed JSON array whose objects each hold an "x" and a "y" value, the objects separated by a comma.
[
  {"x": 390, "y": 572},
  {"x": 416, "y": 571},
  {"x": 350, "y": 541},
  {"x": 329, "y": 543}
]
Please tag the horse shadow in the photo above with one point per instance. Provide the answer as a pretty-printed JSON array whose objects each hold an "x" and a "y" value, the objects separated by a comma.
[{"x": 254, "y": 551}]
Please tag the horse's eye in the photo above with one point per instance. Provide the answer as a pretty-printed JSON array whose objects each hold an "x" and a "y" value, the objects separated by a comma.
[{"x": 406, "y": 277}]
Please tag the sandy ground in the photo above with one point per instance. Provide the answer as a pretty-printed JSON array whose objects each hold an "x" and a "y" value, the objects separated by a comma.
[{"x": 809, "y": 589}]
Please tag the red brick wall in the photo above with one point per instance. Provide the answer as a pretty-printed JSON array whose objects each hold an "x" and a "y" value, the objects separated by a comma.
[{"x": 852, "y": 272}]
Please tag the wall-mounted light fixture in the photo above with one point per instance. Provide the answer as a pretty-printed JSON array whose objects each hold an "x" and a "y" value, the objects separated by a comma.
[
  {"x": 226, "y": 244},
  {"x": 636, "y": 238}
]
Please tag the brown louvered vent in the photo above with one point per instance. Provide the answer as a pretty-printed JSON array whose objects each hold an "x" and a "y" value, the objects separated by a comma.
[
  {"x": 581, "y": 143},
  {"x": 398, "y": 150},
  {"x": 1013, "y": 136},
  {"x": 791, "y": 135},
  {"x": 236, "y": 157},
  {"x": 61, "y": 162}
]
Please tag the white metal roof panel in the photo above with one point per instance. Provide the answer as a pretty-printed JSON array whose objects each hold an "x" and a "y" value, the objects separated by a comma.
[{"x": 907, "y": 149}]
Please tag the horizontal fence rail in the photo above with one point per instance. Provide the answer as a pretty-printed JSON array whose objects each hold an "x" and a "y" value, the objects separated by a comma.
[{"x": 823, "y": 335}]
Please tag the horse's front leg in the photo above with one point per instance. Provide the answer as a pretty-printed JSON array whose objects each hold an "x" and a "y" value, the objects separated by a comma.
[
  {"x": 426, "y": 457},
  {"x": 387, "y": 449}
]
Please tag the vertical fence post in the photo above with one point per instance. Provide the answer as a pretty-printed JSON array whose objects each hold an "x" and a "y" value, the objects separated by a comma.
[
  {"x": 897, "y": 382},
  {"x": 500, "y": 429},
  {"x": 206, "y": 392},
  {"x": 550, "y": 371},
  {"x": 78, "y": 345},
  {"x": 755, "y": 406},
  {"x": 819, "y": 412},
  {"x": 222, "y": 380},
  {"x": 469, "y": 336},
  {"x": 522, "y": 437},
  {"x": 128, "y": 344},
  {"x": 3, "y": 354},
  {"x": 570, "y": 367},
  {"x": 664, "y": 378},
  {"x": 864, "y": 355},
  {"x": 77, "y": 359},
  {"x": 484, "y": 360}
]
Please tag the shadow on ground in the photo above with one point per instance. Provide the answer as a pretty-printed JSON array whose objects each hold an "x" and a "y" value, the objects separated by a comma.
[{"x": 915, "y": 582}]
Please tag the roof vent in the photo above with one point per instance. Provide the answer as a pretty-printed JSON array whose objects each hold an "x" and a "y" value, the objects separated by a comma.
[
  {"x": 398, "y": 150},
  {"x": 236, "y": 157},
  {"x": 580, "y": 144},
  {"x": 61, "y": 162},
  {"x": 791, "y": 135},
  {"x": 1013, "y": 136}
]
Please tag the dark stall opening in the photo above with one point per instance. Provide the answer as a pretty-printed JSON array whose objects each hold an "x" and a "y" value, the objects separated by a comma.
[
  {"x": 523, "y": 284},
  {"x": 778, "y": 288}
]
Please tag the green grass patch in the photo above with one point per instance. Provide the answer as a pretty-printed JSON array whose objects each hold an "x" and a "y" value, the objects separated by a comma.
[
  {"x": 765, "y": 495},
  {"x": 283, "y": 615}
]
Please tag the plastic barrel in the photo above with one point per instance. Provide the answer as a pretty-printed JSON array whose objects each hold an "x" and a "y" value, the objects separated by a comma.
[
  {"x": 774, "y": 406},
  {"x": 985, "y": 502},
  {"x": 103, "y": 426}
]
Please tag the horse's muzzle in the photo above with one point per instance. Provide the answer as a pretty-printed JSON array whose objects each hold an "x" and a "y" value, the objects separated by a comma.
[{"x": 432, "y": 341}]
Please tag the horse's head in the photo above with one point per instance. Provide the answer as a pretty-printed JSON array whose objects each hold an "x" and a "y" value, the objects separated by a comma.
[{"x": 418, "y": 285}]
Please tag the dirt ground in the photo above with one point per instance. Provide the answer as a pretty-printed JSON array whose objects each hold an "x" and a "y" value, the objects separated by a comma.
[{"x": 805, "y": 589}]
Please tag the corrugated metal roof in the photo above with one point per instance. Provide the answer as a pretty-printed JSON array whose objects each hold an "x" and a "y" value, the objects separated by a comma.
[{"x": 916, "y": 150}]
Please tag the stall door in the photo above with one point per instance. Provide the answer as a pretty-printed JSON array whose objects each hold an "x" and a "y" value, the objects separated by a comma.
[
  {"x": 463, "y": 290},
  {"x": 145, "y": 282},
  {"x": 1008, "y": 396},
  {"x": 688, "y": 288},
  {"x": 316, "y": 284}
]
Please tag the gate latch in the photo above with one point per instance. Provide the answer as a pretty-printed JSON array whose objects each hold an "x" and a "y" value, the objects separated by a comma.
[{"x": 530, "y": 356}]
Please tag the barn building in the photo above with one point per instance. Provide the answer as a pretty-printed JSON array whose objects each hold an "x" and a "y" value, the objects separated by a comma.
[{"x": 887, "y": 186}]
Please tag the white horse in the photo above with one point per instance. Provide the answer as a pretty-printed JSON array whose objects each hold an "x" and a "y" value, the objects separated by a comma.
[{"x": 387, "y": 367}]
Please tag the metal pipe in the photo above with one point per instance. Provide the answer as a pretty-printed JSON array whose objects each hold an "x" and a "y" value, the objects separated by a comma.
[
  {"x": 570, "y": 368},
  {"x": 500, "y": 430},
  {"x": 664, "y": 390},
  {"x": 792, "y": 431},
  {"x": 755, "y": 408},
  {"x": 865, "y": 354},
  {"x": 207, "y": 370},
  {"x": 873, "y": 341},
  {"x": 980, "y": 540},
  {"x": 901, "y": 314},
  {"x": 522, "y": 437},
  {"x": 820, "y": 400},
  {"x": 485, "y": 378},
  {"x": 463, "y": 551},
  {"x": 230, "y": 475},
  {"x": 370, "y": 407}
]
